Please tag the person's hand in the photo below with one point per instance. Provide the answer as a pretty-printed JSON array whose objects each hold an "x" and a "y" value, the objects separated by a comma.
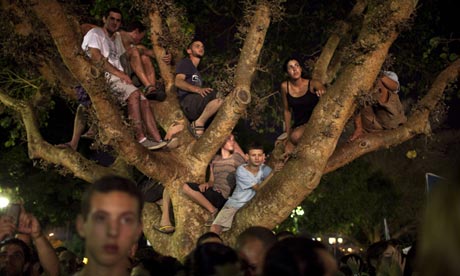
[
  {"x": 353, "y": 264},
  {"x": 203, "y": 91},
  {"x": 167, "y": 58},
  {"x": 7, "y": 227},
  {"x": 28, "y": 224},
  {"x": 125, "y": 78},
  {"x": 320, "y": 92},
  {"x": 203, "y": 187}
]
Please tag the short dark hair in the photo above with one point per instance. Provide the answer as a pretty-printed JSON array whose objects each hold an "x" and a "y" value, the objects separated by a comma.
[
  {"x": 207, "y": 235},
  {"x": 294, "y": 256},
  {"x": 115, "y": 10},
  {"x": 254, "y": 146},
  {"x": 24, "y": 247},
  {"x": 193, "y": 41},
  {"x": 135, "y": 25},
  {"x": 260, "y": 233},
  {"x": 109, "y": 184}
]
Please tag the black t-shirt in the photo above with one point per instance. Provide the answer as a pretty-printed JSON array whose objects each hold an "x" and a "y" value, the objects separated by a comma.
[{"x": 192, "y": 75}]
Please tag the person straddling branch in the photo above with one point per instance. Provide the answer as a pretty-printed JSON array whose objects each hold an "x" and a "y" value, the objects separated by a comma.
[
  {"x": 213, "y": 194},
  {"x": 15, "y": 253},
  {"x": 248, "y": 180},
  {"x": 197, "y": 102},
  {"x": 386, "y": 113},
  {"x": 300, "y": 96},
  {"x": 103, "y": 45}
]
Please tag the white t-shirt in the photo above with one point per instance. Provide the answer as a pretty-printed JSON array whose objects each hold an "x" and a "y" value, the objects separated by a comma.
[{"x": 110, "y": 49}]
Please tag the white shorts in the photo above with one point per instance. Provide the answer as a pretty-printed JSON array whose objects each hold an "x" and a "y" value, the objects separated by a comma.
[
  {"x": 122, "y": 89},
  {"x": 225, "y": 217}
]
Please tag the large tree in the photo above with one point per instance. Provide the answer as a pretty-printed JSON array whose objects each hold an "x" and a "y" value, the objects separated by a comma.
[{"x": 349, "y": 64}]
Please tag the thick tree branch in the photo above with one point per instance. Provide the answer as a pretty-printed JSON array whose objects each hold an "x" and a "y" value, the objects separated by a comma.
[
  {"x": 39, "y": 148},
  {"x": 343, "y": 27},
  {"x": 417, "y": 123},
  {"x": 237, "y": 101},
  {"x": 302, "y": 174},
  {"x": 114, "y": 131}
]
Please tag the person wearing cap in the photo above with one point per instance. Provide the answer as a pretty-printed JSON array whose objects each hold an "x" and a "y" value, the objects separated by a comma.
[{"x": 386, "y": 113}]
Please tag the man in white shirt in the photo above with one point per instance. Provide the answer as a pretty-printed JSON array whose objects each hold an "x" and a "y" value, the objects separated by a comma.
[{"x": 104, "y": 44}]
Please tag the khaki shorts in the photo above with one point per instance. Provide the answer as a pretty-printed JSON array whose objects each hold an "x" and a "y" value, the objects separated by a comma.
[
  {"x": 225, "y": 217},
  {"x": 122, "y": 89}
]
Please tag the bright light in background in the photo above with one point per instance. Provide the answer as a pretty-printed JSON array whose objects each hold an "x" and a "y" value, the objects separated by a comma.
[
  {"x": 318, "y": 239},
  {"x": 85, "y": 260},
  {"x": 339, "y": 240},
  {"x": 4, "y": 202},
  {"x": 332, "y": 240},
  {"x": 51, "y": 234},
  {"x": 298, "y": 211},
  {"x": 349, "y": 249}
]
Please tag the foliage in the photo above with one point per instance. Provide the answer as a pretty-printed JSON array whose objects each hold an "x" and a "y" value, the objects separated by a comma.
[
  {"x": 44, "y": 193},
  {"x": 350, "y": 201}
]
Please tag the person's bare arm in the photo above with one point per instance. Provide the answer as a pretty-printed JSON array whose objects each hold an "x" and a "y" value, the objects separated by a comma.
[
  {"x": 97, "y": 57},
  {"x": 286, "y": 111},
  {"x": 28, "y": 224},
  {"x": 318, "y": 88},
  {"x": 180, "y": 82}
]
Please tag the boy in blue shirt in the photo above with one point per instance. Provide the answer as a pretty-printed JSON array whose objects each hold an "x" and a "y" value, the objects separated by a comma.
[{"x": 248, "y": 179}]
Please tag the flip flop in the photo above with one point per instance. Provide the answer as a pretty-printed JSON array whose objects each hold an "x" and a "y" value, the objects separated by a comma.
[{"x": 167, "y": 229}]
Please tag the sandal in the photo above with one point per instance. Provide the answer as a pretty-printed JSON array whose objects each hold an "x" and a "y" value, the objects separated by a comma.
[
  {"x": 167, "y": 229},
  {"x": 149, "y": 89},
  {"x": 194, "y": 129}
]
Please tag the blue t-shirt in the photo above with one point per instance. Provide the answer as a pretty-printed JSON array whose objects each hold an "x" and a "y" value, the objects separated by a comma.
[
  {"x": 244, "y": 181},
  {"x": 192, "y": 75}
]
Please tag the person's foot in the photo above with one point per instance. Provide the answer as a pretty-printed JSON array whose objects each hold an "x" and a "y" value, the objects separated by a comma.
[
  {"x": 357, "y": 134},
  {"x": 151, "y": 145},
  {"x": 195, "y": 130},
  {"x": 211, "y": 218},
  {"x": 173, "y": 143}
]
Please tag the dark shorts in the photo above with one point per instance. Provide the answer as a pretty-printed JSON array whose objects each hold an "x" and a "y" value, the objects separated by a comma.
[
  {"x": 193, "y": 104},
  {"x": 214, "y": 197}
]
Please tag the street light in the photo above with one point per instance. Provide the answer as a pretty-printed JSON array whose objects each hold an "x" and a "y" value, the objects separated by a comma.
[{"x": 334, "y": 241}]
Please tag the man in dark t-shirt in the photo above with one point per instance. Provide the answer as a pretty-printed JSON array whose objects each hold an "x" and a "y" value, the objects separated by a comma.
[{"x": 198, "y": 103}]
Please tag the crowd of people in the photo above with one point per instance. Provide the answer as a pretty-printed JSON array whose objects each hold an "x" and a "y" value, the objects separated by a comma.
[{"x": 110, "y": 223}]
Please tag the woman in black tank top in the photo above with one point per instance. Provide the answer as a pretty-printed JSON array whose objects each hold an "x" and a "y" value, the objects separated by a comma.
[{"x": 300, "y": 96}]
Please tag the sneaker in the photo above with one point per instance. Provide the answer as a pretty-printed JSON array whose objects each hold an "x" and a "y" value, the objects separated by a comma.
[
  {"x": 211, "y": 218},
  {"x": 151, "y": 145}
]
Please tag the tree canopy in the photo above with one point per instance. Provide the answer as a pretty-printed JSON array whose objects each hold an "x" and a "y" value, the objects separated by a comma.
[{"x": 344, "y": 45}]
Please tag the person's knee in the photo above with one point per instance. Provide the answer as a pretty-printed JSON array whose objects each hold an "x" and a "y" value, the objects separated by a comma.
[
  {"x": 186, "y": 188},
  {"x": 134, "y": 97},
  {"x": 146, "y": 60},
  {"x": 296, "y": 134}
]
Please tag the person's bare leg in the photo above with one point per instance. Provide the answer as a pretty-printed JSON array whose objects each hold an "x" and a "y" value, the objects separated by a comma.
[
  {"x": 149, "y": 120},
  {"x": 358, "y": 128},
  {"x": 210, "y": 109},
  {"x": 79, "y": 126},
  {"x": 166, "y": 209},
  {"x": 199, "y": 198},
  {"x": 216, "y": 229},
  {"x": 148, "y": 69},
  {"x": 136, "y": 63},
  {"x": 134, "y": 113},
  {"x": 296, "y": 134}
]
